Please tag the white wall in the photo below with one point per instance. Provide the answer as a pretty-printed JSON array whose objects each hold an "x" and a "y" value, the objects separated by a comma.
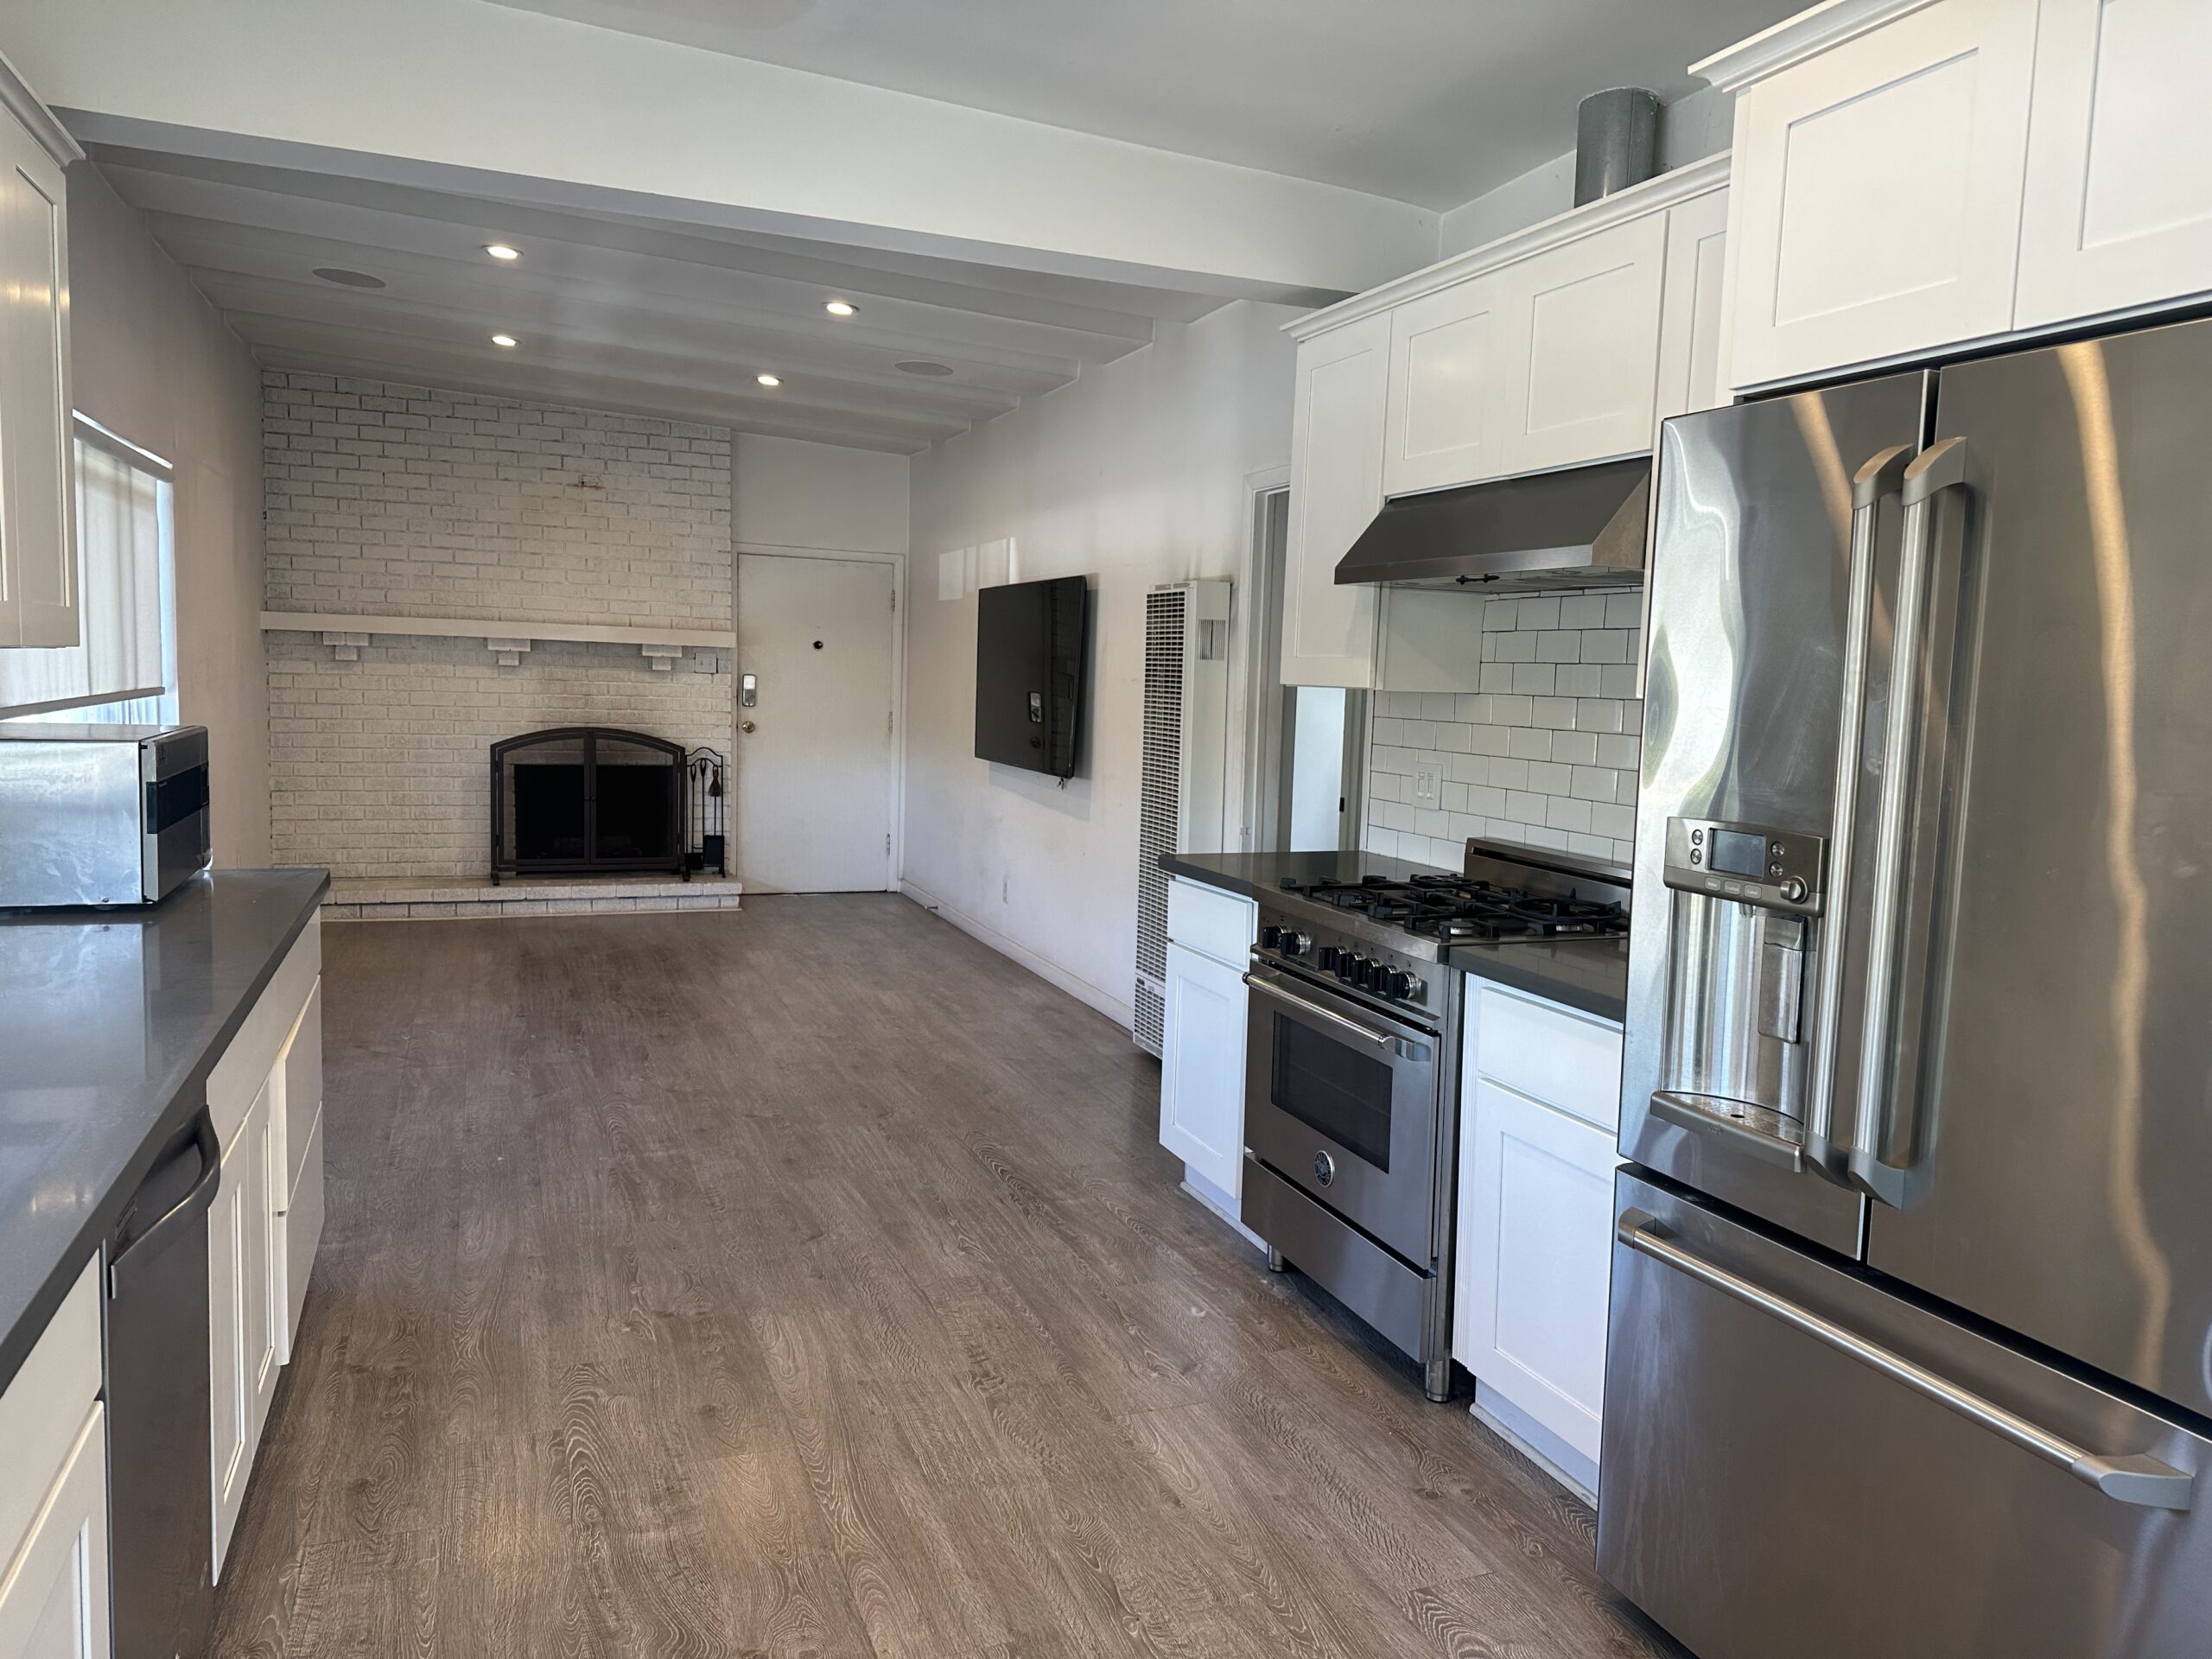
[
  {"x": 791, "y": 493},
  {"x": 154, "y": 362},
  {"x": 1137, "y": 474}
]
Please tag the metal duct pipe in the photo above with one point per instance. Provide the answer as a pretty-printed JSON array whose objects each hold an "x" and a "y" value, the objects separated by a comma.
[{"x": 1615, "y": 142}]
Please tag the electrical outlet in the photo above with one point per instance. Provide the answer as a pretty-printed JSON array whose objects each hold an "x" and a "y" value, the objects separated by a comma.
[{"x": 1425, "y": 787}]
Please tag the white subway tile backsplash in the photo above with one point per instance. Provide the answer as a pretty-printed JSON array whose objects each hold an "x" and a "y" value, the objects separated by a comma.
[
  {"x": 1543, "y": 750},
  {"x": 1582, "y": 610}
]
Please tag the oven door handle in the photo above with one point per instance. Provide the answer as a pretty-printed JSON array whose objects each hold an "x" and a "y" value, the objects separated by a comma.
[{"x": 1385, "y": 1042}]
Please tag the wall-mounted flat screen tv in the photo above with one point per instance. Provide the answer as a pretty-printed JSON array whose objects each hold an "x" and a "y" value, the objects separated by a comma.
[{"x": 1029, "y": 667}]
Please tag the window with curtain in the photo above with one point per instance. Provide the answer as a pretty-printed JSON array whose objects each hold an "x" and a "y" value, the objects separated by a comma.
[{"x": 122, "y": 667}]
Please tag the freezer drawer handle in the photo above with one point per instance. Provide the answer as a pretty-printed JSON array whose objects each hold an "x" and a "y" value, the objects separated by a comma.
[
  {"x": 2133, "y": 1478},
  {"x": 1942, "y": 467}
]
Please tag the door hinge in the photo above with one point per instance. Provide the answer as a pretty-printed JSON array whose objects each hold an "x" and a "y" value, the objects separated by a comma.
[
  {"x": 895, "y": 601},
  {"x": 889, "y": 716},
  {"x": 887, "y": 843}
]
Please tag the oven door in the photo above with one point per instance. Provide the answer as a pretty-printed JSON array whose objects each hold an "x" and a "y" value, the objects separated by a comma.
[{"x": 1342, "y": 1101}]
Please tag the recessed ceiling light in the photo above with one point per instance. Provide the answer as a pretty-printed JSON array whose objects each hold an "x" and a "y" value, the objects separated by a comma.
[
  {"x": 935, "y": 370},
  {"x": 840, "y": 308},
  {"x": 504, "y": 340},
  {"x": 502, "y": 250},
  {"x": 769, "y": 380},
  {"x": 345, "y": 278}
]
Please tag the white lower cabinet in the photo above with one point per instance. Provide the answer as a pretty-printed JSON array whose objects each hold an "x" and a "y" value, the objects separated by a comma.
[
  {"x": 1210, "y": 935},
  {"x": 54, "y": 1594},
  {"x": 54, "y": 1559},
  {"x": 267, "y": 1218},
  {"x": 1533, "y": 1252},
  {"x": 1202, "y": 1067},
  {"x": 245, "y": 1314}
]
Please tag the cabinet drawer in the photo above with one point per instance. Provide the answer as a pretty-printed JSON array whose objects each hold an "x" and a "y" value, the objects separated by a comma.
[
  {"x": 1562, "y": 1058},
  {"x": 1220, "y": 924},
  {"x": 45, "y": 1407},
  {"x": 252, "y": 1054}
]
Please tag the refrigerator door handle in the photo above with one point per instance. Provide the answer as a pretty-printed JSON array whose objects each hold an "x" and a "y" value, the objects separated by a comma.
[
  {"x": 1881, "y": 477},
  {"x": 1942, "y": 467},
  {"x": 2135, "y": 1478}
]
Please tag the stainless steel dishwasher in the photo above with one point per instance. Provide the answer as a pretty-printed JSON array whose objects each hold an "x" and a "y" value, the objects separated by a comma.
[{"x": 161, "y": 1525}]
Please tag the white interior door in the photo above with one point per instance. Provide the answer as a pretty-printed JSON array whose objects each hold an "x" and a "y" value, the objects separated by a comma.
[{"x": 814, "y": 773}]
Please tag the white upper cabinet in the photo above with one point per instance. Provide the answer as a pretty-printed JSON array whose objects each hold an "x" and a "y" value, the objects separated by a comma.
[
  {"x": 1449, "y": 386},
  {"x": 2119, "y": 201},
  {"x": 1690, "y": 374},
  {"x": 1336, "y": 489},
  {"x": 38, "y": 494},
  {"x": 1876, "y": 199},
  {"x": 1581, "y": 352}
]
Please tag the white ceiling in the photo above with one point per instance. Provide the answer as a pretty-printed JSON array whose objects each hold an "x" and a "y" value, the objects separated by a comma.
[
  {"x": 621, "y": 312},
  {"x": 1432, "y": 102}
]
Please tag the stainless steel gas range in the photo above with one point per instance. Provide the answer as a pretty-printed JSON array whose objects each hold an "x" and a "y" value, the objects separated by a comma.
[{"x": 1352, "y": 1079}]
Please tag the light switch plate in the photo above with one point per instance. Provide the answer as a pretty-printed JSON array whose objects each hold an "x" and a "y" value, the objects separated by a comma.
[{"x": 1425, "y": 787}]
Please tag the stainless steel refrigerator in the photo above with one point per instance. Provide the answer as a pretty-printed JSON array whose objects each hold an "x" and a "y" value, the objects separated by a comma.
[{"x": 1910, "y": 1345}]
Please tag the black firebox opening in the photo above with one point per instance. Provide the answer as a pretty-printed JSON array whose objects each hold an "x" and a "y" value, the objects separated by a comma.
[{"x": 582, "y": 800}]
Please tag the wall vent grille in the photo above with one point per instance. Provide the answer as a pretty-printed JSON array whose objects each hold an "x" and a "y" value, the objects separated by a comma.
[{"x": 1166, "y": 612}]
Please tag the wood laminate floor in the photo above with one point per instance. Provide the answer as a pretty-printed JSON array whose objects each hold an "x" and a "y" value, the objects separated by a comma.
[{"x": 806, "y": 1281}]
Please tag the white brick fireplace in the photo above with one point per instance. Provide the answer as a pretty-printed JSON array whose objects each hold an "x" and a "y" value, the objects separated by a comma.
[{"x": 425, "y": 509}]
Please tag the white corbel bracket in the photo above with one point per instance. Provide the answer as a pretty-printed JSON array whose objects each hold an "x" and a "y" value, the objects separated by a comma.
[
  {"x": 345, "y": 647},
  {"x": 661, "y": 659},
  {"x": 508, "y": 653}
]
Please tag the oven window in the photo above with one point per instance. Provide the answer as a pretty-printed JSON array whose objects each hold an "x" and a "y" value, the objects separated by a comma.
[{"x": 1343, "y": 1094}]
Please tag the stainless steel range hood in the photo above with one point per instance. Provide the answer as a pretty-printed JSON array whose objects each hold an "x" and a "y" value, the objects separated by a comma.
[{"x": 1580, "y": 528}]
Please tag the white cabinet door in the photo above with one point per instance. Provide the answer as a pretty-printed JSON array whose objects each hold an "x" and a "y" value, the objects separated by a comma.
[
  {"x": 1445, "y": 416},
  {"x": 53, "y": 1594},
  {"x": 1535, "y": 1254},
  {"x": 1689, "y": 310},
  {"x": 1876, "y": 193},
  {"x": 244, "y": 1312},
  {"x": 2119, "y": 209},
  {"x": 38, "y": 494},
  {"x": 1582, "y": 347},
  {"x": 1202, "y": 1067},
  {"x": 1336, "y": 489}
]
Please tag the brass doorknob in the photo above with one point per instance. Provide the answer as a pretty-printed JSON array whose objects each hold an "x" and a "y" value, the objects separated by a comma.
[{"x": 747, "y": 726}]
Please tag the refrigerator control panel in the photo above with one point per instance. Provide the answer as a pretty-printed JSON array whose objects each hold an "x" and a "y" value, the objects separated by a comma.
[{"x": 1755, "y": 863}]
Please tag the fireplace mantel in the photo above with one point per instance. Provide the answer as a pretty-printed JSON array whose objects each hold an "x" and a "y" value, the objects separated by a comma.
[{"x": 659, "y": 643}]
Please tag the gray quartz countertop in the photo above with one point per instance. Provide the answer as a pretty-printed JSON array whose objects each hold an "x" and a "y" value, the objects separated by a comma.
[
  {"x": 110, "y": 1021},
  {"x": 1590, "y": 975}
]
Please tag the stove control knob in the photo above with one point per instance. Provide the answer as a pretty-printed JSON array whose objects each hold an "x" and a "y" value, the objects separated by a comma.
[
  {"x": 1346, "y": 966},
  {"x": 1326, "y": 959},
  {"x": 1270, "y": 939},
  {"x": 1296, "y": 945},
  {"x": 1364, "y": 973},
  {"x": 1404, "y": 986}
]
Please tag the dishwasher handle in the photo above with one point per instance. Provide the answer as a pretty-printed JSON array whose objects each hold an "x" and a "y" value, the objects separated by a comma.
[{"x": 180, "y": 1215}]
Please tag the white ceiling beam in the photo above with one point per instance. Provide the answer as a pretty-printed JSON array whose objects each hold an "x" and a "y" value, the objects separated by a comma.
[
  {"x": 282, "y": 197},
  {"x": 249, "y": 251},
  {"x": 484, "y": 100}
]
